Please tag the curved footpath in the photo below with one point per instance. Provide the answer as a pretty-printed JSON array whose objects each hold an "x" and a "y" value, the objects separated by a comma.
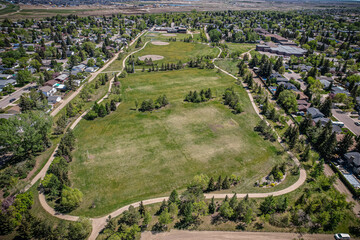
[{"x": 99, "y": 223}]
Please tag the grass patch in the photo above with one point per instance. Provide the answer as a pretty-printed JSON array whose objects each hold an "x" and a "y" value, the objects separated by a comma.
[
  {"x": 228, "y": 65},
  {"x": 240, "y": 47}
]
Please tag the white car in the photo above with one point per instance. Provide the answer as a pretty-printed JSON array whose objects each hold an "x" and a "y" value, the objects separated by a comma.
[{"x": 339, "y": 236}]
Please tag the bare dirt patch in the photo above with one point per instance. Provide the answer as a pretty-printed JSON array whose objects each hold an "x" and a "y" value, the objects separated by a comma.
[
  {"x": 169, "y": 34},
  {"x": 159, "y": 43},
  {"x": 153, "y": 57}
]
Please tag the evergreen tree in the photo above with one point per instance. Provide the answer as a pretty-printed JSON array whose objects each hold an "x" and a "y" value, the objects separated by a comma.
[
  {"x": 218, "y": 183},
  {"x": 212, "y": 206},
  {"x": 211, "y": 185},
  {"x": 225, "y": 183},
  {"x": 142, "y": 210},
  {"x": 345, "y": 144},
  {"x": 325, "y": 108}
]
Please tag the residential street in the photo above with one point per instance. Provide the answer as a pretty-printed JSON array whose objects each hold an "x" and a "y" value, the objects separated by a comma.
[
  {"x": 348, "y": 121},
  {"x": 6, "y": 100}
]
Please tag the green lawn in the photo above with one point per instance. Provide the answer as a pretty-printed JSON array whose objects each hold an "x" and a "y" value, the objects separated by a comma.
[
  {"x": 162, "y": 36},
  {"x": 228, "y": 65},
  {"x": 176, "y": 51},
  {"x": 240, "y": 47},
  {"x": 129, "y": 156}
]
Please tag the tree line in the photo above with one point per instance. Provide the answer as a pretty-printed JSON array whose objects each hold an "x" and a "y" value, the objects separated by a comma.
[
  {"x": 149, "y": 105},
  {"x": 195, "y": 97}
]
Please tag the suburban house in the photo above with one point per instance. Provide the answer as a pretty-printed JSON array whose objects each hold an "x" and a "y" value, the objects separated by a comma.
[
  {"x": 4, "y": 83},
  {"x": 54, "y": 99},
  {"x": 303, "y": 105},
  {"x": 47, "y": 90},
  {"x": 51, "y": 83},
  {"x": 353, "y": 160},
  {"x": 315, "y": 113},
  {"x": 62, "y": 77}
]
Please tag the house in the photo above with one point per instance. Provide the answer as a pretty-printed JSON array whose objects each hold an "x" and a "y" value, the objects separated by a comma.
[
  {"x": 303, "y": 105},
  {"x": 325, "y": 83},
  {"x": 353, "y": 160},
  {"x": 324, "y": 121},
  {"x": 47, "y": 90},
  {"x": 288, "y": 86},
  {"x": 90, "y": 69},
  {"x": 315, "y": 113},
  {"x": 302, "y": 96},
  {"x": 62, "y": 77},
  {"x": 5, "y": 76},
  {"x": 54, "y": 99},
  {"x": 4, "y": 83},
  {"x": 337, "y": 89},
  {"x": 282, "y": 80},
  {"x": 51, "y": 83}
]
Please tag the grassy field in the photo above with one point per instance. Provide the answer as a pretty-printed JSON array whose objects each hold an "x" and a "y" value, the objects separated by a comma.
[
  {"x": 240, "y": 47},
  {"x": 177, "y": 51},
  {"x": 129, "y": 156},
  {"x": 178, "y": 36},
  {"x": 228, "y": 65}
]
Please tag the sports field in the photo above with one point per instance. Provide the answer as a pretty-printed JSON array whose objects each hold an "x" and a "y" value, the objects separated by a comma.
[{"x": 129, "y": 156}]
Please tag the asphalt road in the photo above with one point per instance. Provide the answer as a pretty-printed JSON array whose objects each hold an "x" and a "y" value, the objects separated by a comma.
[
  {"x": 6, "y": 100},
  {"x": 212, "y": 235},
  {"x": 348, "y": 121}
]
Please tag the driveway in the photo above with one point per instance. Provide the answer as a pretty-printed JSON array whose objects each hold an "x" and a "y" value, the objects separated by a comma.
[{"x": 348, "y": 121}]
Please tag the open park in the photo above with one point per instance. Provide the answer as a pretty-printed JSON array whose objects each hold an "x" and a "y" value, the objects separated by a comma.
[{"x": 131, "y": 155}]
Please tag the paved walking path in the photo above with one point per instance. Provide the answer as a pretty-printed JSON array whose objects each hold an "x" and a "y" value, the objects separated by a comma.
[
  {"x": 213, "y": 235},
  {"x": 99, "y": 223}
]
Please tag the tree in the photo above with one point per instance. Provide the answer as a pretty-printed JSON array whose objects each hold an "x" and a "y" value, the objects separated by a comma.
[
  {"x": 60, "y": 124},
  {"x": 218, "y": 183},
  {"x": 70, "y": 199},
  {"x": 24, "y": 77},
  {"x": 225, "y": 210},
  {"x": 174, "y": 197},
  {"x": 142, "y": 209},
  {"x": 36, "y": 64},
  {"x": 164, "y": 218},
  {"x": 79, "y": 230},
  {"x": 212, "y": 206},
  {"x": 226, "y": 183},
  {"x": 287, "y": 99},
  {"x": 325, "y": 108},
  {"x": 147, "y": 219},
  {"x": 268, "y": 205},
  {"x": 33, "y": 137},
  {"x": 112, "y": 105},
  {"x": 211, "y": 185},
  {"x": 344, "y": 145}
]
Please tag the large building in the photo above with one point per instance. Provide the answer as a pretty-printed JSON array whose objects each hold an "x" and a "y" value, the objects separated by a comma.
[{"x": 282, "y": 50}]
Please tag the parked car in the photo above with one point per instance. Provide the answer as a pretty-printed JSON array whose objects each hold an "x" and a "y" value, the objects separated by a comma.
[
  {"x": 339, "y": 236},
  {"x": 12, "y": 100},
  {"x": 357, "y": 123}
]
